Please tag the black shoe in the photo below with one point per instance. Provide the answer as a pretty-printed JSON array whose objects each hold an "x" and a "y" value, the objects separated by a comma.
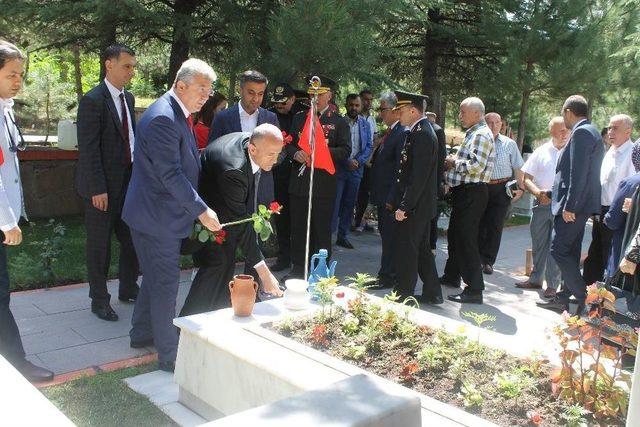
[
  {"x": 280, "y": 265},
  {"x": 34, "y": 373},
  {"x": 445, "y": 282},
  {"x": 555, "y": 304},
  {"x": 464, "y": 298},
  {"x": 430, "y": 300},
  {"x": 104, "y": 312},
  {"x": 487, "y": 269},
  {"x": 167, "y": 366},
  {"x": 384, "y": 282},
  {"x": 128, "y": 297},
  {"x": 142, "y": 343},
  {"x": 342, "y": 241}
]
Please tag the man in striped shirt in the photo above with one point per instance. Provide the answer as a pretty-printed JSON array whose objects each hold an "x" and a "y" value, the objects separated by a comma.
[
  {"x": 508, "y": 162},
  {"x": 468, "y": 173}
]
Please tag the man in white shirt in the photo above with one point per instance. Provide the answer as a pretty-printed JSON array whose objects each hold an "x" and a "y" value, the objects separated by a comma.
[
  {"x": 11, "y": 207},
  {"x": 616, "y": 166},
  {"x": 539, "y": 172}
]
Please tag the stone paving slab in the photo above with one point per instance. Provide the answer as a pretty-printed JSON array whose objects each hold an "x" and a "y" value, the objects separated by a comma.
[{"x": 60, "y": 332}]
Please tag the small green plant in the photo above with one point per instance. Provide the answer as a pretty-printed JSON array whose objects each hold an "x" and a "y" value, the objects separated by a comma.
[
  {"x": 324, "y": 292},
  {"x": 354, "y": 351},
  {"x": 350, "y": 325},
  {"x": 470, "y": 395},
  {"x": 50, "y": 249},
  {"x": 361, "y": 282},
  {"x": 575, "y": 416},
  {"x": 286, "y": 326},
  {"x": 458, "y": 369},
  {"x": 480, "y": 318},
  {"x": 512, "y": 384}
]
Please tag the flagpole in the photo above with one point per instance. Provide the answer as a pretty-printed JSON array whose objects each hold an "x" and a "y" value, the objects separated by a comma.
[{"x": 314, "y": 83}]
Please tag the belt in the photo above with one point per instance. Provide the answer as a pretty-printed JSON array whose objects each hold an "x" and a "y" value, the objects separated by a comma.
[
  {"x": 499, "y": 181},
  {"x": 467, "y": 185}
]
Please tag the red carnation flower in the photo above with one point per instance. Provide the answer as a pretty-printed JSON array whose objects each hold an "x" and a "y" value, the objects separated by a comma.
[
  {"x": 286, "y": 138},
  {"x": 220, "y": 236},
  {"x": 275, "y": 207}
]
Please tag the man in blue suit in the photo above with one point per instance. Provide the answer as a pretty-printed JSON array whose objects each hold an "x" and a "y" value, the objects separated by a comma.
[
  {"x": 575, "y": 197},
  {"x": 350, "y": 170},
  {"x": 383, "y": 175},
  {"x": 162, "y": 203}
]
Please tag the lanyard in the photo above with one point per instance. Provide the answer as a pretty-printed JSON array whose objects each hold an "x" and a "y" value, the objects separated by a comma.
[{"x": 13, "y": 147}]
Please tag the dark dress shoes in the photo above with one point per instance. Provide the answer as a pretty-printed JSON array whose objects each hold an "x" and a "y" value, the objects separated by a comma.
[
  {"x": 142, "y": 343},
  {"x": 466, "y": 298},
  {"x": 167, "y": 366},
  {"x": 444, "y": 281},
  {"x": 528, "y": 285},
  {"x": 556, "y": 304},
  {"x": 341, "y": 241},
  {"x": 280, "y": 265},
  {"x": 128, "y": 297},
  {"x": 487, "y": 269},
  {"x": 430, "y": 300},
  {"x": 34, "y": 373},
  {"x": 104, "y": 312}
]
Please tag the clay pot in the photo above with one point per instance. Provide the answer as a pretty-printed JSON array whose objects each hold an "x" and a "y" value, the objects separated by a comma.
[{"x": 243, "y": 294}]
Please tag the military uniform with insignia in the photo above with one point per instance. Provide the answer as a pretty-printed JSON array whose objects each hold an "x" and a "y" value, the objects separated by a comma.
[
  {"x": 416, "y": 194},
  {"x": 338, "y": 136}
]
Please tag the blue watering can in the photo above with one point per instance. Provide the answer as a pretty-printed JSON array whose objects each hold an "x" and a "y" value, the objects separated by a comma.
[{"x": 318, "y": 269}]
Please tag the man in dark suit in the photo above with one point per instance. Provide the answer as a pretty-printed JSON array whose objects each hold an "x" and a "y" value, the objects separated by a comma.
[
  {"x": 575, "y": 197},
  {"x": 415, "y": 199},
  {"x": 336, "y": 131},
  {"x": 384, "y": 173},
  {"x": 231, "y": 168},
  {"x": 106, "y": 141},
  {"x": 442, "y": 154},
  {"x": 162, "y": 203}
]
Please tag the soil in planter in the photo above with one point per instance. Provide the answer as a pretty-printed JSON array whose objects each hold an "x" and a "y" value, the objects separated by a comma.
[{"x": 448, "y": 367}]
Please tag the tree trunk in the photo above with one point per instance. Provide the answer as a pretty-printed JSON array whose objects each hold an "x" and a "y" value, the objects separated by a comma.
[
  {"x": 524, "y": 107},
  {"x": 181, "y": 37},
  {"x": 77, "y": 71},
  {"x": 429, "y": 75},
  {"x": 231, "y": 95}
]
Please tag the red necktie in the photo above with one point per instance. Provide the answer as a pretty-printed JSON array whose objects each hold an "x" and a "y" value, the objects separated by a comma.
[
  {"x": 125, "y": 128},
  {"x": 190, "y": 122}
]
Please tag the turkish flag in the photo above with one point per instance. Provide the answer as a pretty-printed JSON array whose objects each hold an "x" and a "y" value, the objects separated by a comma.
[{"x": 322, "y": 158}]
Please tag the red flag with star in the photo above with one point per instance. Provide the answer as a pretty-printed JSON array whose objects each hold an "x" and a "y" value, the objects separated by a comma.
[{"x": 322, "y": 158}]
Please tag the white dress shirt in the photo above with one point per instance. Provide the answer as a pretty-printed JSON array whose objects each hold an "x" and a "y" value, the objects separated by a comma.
[
  {"x": 372, "y": 123},
  {"x": 11, "y": 197},
  {"x": 115, "y": 95},
  {"x": 182, "y": 107},
  {"x": 616, "y": 166},
  {"x": 248, "y": 122},
  {"x": 541, "y": 165}
]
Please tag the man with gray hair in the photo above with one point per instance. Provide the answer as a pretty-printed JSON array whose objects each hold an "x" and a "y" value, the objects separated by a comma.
[
  {"x": 12, "y": 62},
  {"x": 162, "y": 203},
  {"x": 468, "y": 173},
  {"x": 616, "y": 167}
]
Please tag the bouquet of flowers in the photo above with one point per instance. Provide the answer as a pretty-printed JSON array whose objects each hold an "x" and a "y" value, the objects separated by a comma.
[{"x": 260, "y": 219}]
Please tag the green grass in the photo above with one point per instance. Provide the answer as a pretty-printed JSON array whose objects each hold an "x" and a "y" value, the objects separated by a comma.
[
  {"x": 105, "y": 400},
  {"x": 517, "y": 220}
]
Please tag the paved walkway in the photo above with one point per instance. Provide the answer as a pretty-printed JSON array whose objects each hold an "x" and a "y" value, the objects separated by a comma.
[{"x": 60, "y": 332}]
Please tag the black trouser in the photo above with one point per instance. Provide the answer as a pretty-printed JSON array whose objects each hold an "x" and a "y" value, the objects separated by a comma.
[
  {"x": 598, "y": 255},
  {"x": 413, "y": 256},
  {"x": 492, "y": 223},
  {"x": 386, "y": 226},
  {"x": 320, "y": 236},
  {"x": 99, "y": 227},
  {"x": 10, "y": 342},
  {"x": 468, "y": 203},
  {"x": 363, "y": 196},
  {"x": 433, "y": 234},
  {"x": 283, "y": 221}
]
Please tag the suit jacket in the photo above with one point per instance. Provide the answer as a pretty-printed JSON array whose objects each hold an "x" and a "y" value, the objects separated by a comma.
[
  {"x": 226, "y": 182},
  {"x": 162, "y": 198},
  {"x": 102, "y": 151},
  {"x": 417, "y": 183},
  {"x": 228, "y": 121},
  {"x": 615, "y": 219},
  {"x": 336, "y": 131},
  {"x": 384, "y": 171},
  {"x": 362, "y": 156},
  {"x": 442, "y": 154},
  {"x": 577, "y": 187}
]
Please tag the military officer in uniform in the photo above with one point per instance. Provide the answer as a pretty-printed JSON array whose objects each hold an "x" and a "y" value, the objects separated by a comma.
[
  {"x": 415, "y": 201},
  {"x": 336, "y": 132}
]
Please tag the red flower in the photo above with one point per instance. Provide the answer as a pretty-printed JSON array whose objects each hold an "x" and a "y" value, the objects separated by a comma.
[
  {"x": 339, "y": 294},
  {"x": 534, "y": 417},
  {"x": 275, "y": 207},
  {"x": 220, "y": 236},
  {"x": 286, "y": 138}
]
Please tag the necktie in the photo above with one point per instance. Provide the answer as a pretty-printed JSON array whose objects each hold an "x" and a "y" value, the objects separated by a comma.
[
  {"x": 125, "y": 128},
  {"x": 256, "y": 185},
  {"x": 190, "y": 122}
]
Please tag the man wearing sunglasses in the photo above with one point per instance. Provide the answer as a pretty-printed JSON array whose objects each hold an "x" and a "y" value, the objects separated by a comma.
[{"x": 11, "y": 208}]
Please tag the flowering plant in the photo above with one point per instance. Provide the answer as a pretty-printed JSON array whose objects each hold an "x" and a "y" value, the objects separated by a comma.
[
  {"x": 260, "y": 220},
  {"x": 286, "y": 138}
]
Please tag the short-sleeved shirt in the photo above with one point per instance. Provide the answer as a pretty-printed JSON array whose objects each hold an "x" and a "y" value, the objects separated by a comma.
[
  {"x": 372, "y": 123},
  {"x": 508, "y": 157},
  {"x": 475, "y": 158},
  {"x": 541, "y": 165}
]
